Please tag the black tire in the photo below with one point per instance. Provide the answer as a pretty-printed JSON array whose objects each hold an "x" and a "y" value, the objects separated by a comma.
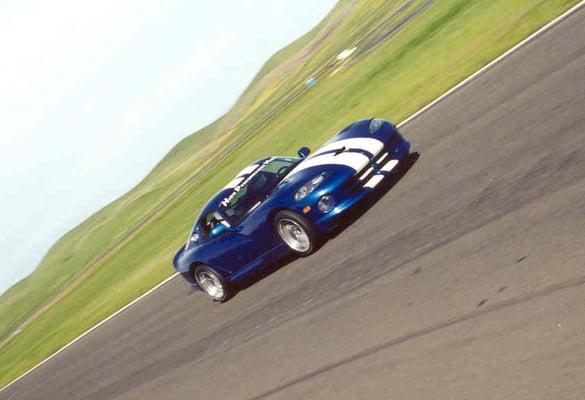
[
  {"x": 213, "y": 283},
  {"x": 301, "y": 225}
]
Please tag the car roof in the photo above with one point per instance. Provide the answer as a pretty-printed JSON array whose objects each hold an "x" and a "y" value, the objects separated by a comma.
[{"x": 215, "y": 201}]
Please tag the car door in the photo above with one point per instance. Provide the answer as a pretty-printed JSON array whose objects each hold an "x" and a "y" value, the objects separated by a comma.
[{"x": 227, "y": 247}]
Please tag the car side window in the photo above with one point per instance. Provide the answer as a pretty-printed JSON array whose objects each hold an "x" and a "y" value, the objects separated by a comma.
[
  {"x": 280, "y": 166},
  {"x": 210, "y": 221}
]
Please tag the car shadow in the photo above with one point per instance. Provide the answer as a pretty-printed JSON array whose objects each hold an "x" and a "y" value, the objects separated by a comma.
[{"x": 353, "y": 215}]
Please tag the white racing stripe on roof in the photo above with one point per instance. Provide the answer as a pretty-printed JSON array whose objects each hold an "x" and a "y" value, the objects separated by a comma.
[
  {"x": 240, "y": 176},
  {"x": 233, "y": 183},
  {"x": 248, "y": 170}
]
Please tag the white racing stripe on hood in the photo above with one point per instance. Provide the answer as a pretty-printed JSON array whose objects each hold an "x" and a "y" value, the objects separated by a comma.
[
  {"x": 357, "y": 161},
  {"x": 371, "y": 145}
]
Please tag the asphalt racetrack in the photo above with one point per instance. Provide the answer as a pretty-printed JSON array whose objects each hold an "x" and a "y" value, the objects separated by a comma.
[{"x": 465, "y": 281}]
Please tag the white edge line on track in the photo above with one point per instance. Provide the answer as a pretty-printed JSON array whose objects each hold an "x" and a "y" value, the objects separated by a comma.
[
  {"x": 495, "y": 61},
  {"x": 407, "y": 120},
  {"x": 93, "y": 328}
]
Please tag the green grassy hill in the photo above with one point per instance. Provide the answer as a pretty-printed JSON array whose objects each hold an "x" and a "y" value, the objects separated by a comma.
[{"x": 126, "y": 248}]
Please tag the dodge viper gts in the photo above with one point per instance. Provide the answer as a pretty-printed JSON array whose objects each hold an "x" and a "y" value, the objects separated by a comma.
[{"x": 279, "y": 205}]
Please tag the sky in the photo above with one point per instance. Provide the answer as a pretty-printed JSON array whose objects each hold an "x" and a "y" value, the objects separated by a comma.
[{"x": 94, "y": 93}]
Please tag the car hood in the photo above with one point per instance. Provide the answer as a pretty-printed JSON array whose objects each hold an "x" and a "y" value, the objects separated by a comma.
[{"x": 350, "y": 150}]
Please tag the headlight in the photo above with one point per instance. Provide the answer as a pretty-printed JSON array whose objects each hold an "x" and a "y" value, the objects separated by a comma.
[
  {"x": 308, "y": 187},
  {"x": 326, "y": 203},
  {"x": 375, "y": 125}
]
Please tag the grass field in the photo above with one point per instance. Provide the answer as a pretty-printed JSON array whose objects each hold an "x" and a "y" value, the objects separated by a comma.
[{"x": 127, "y": 247}]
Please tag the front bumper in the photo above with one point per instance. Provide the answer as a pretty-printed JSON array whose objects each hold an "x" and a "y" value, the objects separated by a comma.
[{"x": 354, "y": 189}]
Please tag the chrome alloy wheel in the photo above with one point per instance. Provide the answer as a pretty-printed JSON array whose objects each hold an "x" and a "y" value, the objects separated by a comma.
[
  {"x": 293, "y": 234},
  {"x": 211, "y": 284}
]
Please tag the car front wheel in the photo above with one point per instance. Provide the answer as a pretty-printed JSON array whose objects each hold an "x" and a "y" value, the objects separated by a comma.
[
  {"x": 296, "y": 232},
  {"x": 213, "y": 283}
]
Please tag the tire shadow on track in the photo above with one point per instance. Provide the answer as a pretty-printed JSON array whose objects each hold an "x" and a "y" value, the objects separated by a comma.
[{"x": 352, "y": 216}]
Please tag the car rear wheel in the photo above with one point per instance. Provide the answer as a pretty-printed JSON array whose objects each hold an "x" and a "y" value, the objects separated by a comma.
[
  {"x": 296, "y": 232},
  {"x": 213, "y": 283}
]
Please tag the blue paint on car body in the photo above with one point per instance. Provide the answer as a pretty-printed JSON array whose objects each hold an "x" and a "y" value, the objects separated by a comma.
[{"x": 234, "y": 233}]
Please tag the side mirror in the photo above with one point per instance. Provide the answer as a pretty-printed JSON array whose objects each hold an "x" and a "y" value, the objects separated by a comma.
[
  {"x": 304, "y": 152},
  {"x": 218, "y": 230}
]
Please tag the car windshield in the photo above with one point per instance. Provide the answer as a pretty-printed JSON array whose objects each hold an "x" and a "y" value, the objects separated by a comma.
[{"x": 254, "y": 188}]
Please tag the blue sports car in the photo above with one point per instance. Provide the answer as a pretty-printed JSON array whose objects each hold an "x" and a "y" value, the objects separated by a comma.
[{"x": 279, "y": 205}]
